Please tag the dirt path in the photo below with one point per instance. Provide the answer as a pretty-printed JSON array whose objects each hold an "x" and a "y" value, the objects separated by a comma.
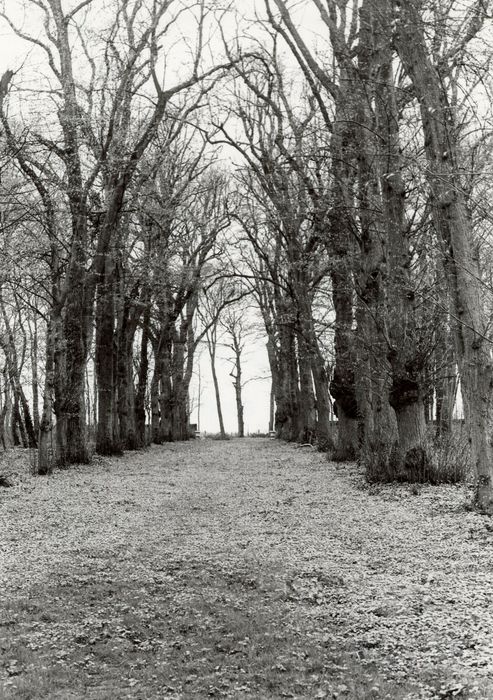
[{"x": 241, "y": 569}]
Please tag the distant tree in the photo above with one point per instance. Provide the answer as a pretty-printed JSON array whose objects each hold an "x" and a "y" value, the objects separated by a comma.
[{"x": 239, "y": 330}]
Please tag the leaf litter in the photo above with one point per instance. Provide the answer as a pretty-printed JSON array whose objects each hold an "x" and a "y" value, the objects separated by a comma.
[{"x": 241, "y": 569}]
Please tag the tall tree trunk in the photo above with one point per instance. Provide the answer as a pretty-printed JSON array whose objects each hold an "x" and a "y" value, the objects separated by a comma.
[
  {"x": 182, "y": 389},
  {"x": 4, "y": 416},
  {"x": 156, "y": 435},
  {"x": 105, "y": 361},
  {"x": 72, "y": 412},
  {"x": 377, "y": 418},
  {"x": 287, "y": 422},
  {"x": 237, "y": 375},
  {"x": 130, "y": 313},
  {"x": 60, "y": 364},
  {"x": 446, "y": 383},
  {"x": 272, "y": 407},
  {"x": 22, "y": 413},
  {"x": 342, "y": 385},
  {"x": 45, "y": 448},
  {"x": 166, "y": 398},
  {"x": 127, "y": 436},
  {"x": 179, "y": 414},
  {"x": 307, "y": 420},
  {"x": 240, "y": 409},
  {"x": 34, "y": 373},
  {"x": 322, "y": 398},
  {"x": 140, "y": 395},
  {"x": 217, "y": 393},
  {"x": 320, "y": 381},
  {"x": 18, "y": 429},
  {"x": 407, "y": 354},
  {"x": 453, "y": 224},
  {"x": 341, "y": 250}
]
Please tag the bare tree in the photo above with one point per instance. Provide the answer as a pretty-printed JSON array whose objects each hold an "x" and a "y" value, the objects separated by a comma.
[
  {"x": 430, "y": 77},
  {"x": 239, "y": 330},
  {"x": 106, "y": 120}
]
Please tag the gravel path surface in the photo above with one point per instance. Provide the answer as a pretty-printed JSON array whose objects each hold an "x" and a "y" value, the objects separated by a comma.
[{"x": 241, "y": 569}]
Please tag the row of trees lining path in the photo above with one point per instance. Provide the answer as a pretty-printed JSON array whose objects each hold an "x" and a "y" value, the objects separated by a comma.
[{"x": 151, "y": 191}]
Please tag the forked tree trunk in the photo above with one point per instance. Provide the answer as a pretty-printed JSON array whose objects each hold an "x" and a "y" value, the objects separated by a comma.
[
  {"x": 22, "y": 414},
  {"x": 341, "y": 250},
  {"x": 373, "y": 377},
  {"x": 407, "y": 354}
]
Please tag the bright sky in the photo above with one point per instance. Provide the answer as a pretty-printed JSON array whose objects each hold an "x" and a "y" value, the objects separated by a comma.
[
  {"x": 17, "y": 54},
  {"x": 256, "y": 393}
]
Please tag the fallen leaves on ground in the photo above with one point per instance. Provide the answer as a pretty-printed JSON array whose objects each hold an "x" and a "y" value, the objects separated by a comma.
[{"x": 241, "y": 569}]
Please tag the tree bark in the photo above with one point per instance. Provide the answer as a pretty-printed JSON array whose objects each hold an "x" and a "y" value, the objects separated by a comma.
[
  {"x": 34, "y": 374},
  {"x": 105, "y": 360},
  {"x": 21, "y": 414},
  {"x": 308, "y": 417},
  {"x": 287, "y": 421},
  {"x": 272, "y": 407},
  {"x": 45, "y": 447},
  {"x": 156, "y": 437},
  {"x": 166, "y": 388},
  {"x": 446, "y": 383},
  {"x": 237, "y": 375},
  {"x": 342, "y": 385},
  {"x": 140, "y": 395},
  {"x": 179, "y": 415},
  {"x": 211, "y": 344},
  {"x": 407, "y": 353},
  {"x": 377, "y": 422},
  {"x": 453, "y": 224}
]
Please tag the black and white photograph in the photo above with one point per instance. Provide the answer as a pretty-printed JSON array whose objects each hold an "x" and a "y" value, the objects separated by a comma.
[{"x": 246, "y": 349}]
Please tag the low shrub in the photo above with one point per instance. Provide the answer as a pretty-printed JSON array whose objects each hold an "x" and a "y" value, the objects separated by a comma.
[
  {"x": 446, "y": 460},
  {"x": 218, "y": 436},
  {"x": 451, "y": 456}
]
